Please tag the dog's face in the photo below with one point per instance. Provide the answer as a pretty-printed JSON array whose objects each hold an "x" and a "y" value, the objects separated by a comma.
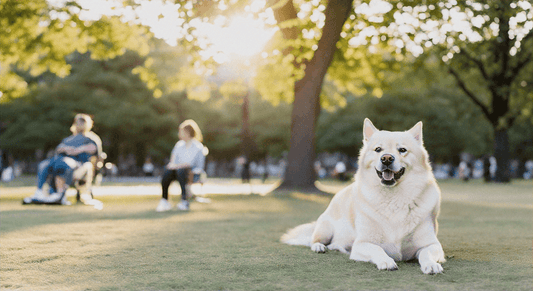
[{"x": 391, "y": 155}]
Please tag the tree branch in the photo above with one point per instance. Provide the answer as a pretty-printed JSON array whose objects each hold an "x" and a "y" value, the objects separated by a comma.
[
  {"x": 478, "y": 63},
  {"x": 337, "y": 11},
  {"x": 471, "y": 95},
  {"x": 519, "y": 66},
  {"x": 284, "y": 11}
]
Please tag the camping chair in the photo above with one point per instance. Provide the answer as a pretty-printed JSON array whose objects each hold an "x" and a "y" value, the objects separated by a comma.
[
  {"x": 80, "y": 182},
  {"x": 198, "y": 179}
]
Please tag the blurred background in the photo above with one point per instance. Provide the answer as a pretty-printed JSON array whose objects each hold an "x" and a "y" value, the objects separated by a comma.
[{"x": 283, "y": 86}]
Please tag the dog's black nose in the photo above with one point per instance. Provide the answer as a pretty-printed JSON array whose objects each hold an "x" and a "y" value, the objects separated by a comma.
[{"x": 387, "y": 159}]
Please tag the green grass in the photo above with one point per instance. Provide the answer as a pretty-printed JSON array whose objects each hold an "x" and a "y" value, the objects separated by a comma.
[{"x": 233, "y": 244}]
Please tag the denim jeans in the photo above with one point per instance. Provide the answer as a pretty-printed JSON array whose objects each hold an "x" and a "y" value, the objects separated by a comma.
[{"x": 61, "y": 166}]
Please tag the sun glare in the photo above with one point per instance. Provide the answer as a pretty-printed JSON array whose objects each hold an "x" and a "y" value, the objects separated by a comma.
[
  {"x": 244, "y": 37},
  {"x": 240, "y": 36}
]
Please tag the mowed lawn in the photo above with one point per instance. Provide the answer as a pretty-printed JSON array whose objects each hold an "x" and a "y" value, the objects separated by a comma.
[{"x": 233, "y": 244}]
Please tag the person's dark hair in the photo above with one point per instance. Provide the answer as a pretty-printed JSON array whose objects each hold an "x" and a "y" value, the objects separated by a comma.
[{"x": 192, "y": 128}]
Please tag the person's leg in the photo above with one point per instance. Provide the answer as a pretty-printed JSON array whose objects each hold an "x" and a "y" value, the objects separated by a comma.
[
  {"x": 43, "y": 170},
  {"x": 168, "y": 177},
  {"x": 63, "y": 170},
  {"x": 182, "y": 175}
]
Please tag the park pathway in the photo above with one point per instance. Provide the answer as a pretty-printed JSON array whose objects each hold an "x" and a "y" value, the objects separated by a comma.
[{"x": 212, "y": 186}]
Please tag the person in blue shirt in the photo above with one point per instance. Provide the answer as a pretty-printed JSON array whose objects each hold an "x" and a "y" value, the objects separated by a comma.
[
  {"x": 187, "y": 157},
  {"x": 72, "y": 154}
]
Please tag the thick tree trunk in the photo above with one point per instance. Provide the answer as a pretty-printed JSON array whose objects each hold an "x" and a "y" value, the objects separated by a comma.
[
  {"x": 501, "y": 153},
  {"x": 300, "y": 173}
]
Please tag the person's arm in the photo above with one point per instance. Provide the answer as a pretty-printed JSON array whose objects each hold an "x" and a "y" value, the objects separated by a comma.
[
  {"x": 63, "y": 148},
  {"x": 198, "y": 163},
  {"x": 172, "y": 165},
  {"x": 89, "y": 148}
]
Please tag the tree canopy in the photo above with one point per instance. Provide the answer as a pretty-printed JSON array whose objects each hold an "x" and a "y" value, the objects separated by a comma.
[
  {"x": 323, "y": 52},
  {"x": 36, "y": 36}
]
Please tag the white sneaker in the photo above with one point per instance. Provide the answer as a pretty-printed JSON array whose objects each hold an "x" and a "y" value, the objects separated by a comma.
[
  {"x": 183, "y": 205},
  {"x": 39, "y": 195},
  {"x": 53, "y": 197},
  {"x": 163, "y": 206}
]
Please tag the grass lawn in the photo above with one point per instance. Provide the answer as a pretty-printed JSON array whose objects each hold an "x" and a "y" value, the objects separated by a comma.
[{"x": 233, "y": 244}]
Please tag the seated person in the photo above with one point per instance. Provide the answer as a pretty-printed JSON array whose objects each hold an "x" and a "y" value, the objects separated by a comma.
[
  {"x": 72, "y": 159},
  {"x": 187, "y": 156}
]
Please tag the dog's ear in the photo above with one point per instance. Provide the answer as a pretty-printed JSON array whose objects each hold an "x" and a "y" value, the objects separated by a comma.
[
  {"x": 416, "y": 131},
  {"x": 368, "y": 129}
]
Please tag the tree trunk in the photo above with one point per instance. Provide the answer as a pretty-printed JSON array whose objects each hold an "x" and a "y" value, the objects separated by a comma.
[
  {"x": 300, "y": 173},
  {"x": 246, "y": 140},
  {"x": 501, "y": 153}
]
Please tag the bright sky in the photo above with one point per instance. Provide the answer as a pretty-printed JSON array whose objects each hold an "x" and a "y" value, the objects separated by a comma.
[{"x": 241, "y": 35}]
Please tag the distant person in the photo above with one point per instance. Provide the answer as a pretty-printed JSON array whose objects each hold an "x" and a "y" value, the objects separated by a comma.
[
  {"x": 245, "y": 173},
  {"x": 340, "y": 171},
  {"x": 486, "y": 169},
  {"x": 187, "y": 157},
  {"x": 263, "y": 171},
  {"x": 493, "y": 167},
  {"x": 148, "y": 167},
  {"x": 74, "y": 153},
  {"x": 464, "y": 171}
]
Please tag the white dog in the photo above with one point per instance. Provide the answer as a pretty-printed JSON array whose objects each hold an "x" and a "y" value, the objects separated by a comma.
[{"x": 389, "y": 213}]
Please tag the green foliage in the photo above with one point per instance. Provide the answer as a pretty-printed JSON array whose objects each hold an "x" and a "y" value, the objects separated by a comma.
[
  {"x": 36, "y": 36},
  {"x": 450, "y": 126}
]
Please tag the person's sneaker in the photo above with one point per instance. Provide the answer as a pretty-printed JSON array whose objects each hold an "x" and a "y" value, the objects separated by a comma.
[
  {"x": 183, "y": 205},
  {"x": 27, "y": 200},
  {"x": 164, "y": 205},
  {"x": 38, "y": 195}
]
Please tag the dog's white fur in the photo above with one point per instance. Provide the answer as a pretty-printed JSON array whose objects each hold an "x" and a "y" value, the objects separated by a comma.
[{"x": 375, "y": 221}]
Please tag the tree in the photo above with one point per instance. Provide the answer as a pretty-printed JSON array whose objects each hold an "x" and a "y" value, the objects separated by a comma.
[
  {"x": 355, "y": 49},
  {"x": 36, "y": 36},
  {"x": 493, "y": 43},
  {"x": 306, "y": 106},
  {"x": 487, "y": 46},
  {"x": 501, "y": 62}
]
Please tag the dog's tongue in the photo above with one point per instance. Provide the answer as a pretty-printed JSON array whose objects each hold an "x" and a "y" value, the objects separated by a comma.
[{"x": 388, "y": 175}]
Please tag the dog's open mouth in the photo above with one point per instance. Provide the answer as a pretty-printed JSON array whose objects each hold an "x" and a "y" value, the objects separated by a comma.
[{"x": 388, "y": 177}]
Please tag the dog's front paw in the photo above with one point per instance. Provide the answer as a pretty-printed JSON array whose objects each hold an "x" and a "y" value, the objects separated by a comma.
[
  {"x": 387, "y": 264},
  {"x": 432, "y": 268},
  {"x": 319, "y": 248}
]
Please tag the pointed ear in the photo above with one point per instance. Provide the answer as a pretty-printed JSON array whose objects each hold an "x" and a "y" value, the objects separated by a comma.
[
  {"x": 368, "y": 129},
  {"x": 416, "y": 131}
]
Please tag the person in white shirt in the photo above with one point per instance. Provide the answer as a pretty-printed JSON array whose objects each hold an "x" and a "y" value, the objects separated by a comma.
[
  {"x": 340, "y": 171},
  {"x": 186, "y": 157},
  {"x": 148, "y": 167}
]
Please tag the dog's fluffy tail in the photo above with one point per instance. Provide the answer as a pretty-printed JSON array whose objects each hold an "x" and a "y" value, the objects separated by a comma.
[{"x": 300, "y": 235}]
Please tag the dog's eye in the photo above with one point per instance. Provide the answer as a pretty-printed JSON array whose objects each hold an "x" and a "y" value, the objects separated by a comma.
[
  {"x": 402, "y": 150},
  {"x": 378, "y": 149}
]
